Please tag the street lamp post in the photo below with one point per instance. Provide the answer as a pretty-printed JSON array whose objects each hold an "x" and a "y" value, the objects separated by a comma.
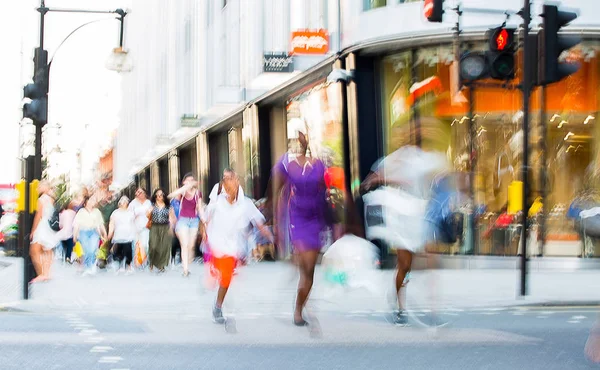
[{"x": 37, "y": 110}]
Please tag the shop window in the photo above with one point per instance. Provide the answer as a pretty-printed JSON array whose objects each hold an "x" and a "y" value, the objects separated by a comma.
[
  {"x": 397, "y": 78},
  {"x": 572, "y": 170},
  {"x": 566, "y": 141},
  {"x": 373, "y": 4}
]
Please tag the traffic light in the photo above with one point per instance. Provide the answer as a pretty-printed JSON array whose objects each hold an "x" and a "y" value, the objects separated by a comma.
[
  {"x": 553, "y": 45},
  {"x": 433, "y": 10},
  {"x": 37, "y": 109},
  {"x": 33, "y": 195},
  {"x": 501, "y": 53},
  {"x": 20, "y": 188}
]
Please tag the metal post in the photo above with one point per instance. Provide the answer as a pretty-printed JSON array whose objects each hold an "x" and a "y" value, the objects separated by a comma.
[
  {"x": 27, "y": 223},
  {"x": 415, "y": 111},
  {"x": 544, "y": 170},
  {"x": 473, "y": 164},
  {"x": 526, "y": 86},
  {"x": 122, "y": 15}
]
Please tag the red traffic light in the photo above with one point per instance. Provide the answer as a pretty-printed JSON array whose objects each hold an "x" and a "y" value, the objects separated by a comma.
[
  {"x": 433, "y": 10},
  {"x": 501, "y": 39}
]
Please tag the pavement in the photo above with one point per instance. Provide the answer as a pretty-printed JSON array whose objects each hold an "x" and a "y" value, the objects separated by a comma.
[
  {"x": 149, "y": 321},
  {"x": 270, "y": 287}
]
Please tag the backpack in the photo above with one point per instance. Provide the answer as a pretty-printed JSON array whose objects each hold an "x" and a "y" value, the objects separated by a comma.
[
  {"x": 54, "y": 220},
  {"x": 443, "y": 211}
]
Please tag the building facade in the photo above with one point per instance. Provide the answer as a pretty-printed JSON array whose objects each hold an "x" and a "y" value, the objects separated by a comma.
[{"x": 391, "y": 51}]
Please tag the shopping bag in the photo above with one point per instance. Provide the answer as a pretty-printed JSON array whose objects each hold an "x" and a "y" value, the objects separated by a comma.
[
  {"x": 78, "y": 250},
  {"x": 140, "y": 254},
  {"x": 349, "y": 261}
]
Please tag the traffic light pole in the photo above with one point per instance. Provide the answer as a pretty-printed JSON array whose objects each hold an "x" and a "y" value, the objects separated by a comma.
[
  {"x": 34, "y": 169},
  {"x": 526, "y": 88}
]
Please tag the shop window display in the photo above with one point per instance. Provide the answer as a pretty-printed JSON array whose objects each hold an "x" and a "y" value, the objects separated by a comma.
[{"x": 571, "y": 175}]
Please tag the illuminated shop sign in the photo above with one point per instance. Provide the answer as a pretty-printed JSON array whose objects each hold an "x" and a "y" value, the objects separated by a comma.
[{"x": 310, "y": 42}]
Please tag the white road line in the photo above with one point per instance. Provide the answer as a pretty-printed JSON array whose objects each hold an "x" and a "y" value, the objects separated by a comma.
[
  {"x": 82, "y": 326},
  {"x": 455, "y": 310},
  {"x": 547, "y": 312},
  {"x": 88, "y": 332},
  {"x": 578, "y": 317},
  {"x": 101, "y": 349},
  {"x": 542, "y": 317},
  {"x": 573, "y": 322},
  {"x": 94, "y": 340},
  {"x": 518, "y": 313},
  {"x": 110, "y": 359}
]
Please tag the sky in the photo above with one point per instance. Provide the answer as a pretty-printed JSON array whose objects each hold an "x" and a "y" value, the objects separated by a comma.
[{"x": 84, "y": 96}]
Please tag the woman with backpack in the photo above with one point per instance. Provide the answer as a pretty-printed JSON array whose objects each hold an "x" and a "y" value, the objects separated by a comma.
[
  {"x": 44, "y": 236},
  {"x": 189, "y": 219}
]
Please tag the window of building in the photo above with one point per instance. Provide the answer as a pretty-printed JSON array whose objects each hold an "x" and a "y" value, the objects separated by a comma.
[
  {"x": 373, "y": 4},
  {"x": 564, "y": 154}
]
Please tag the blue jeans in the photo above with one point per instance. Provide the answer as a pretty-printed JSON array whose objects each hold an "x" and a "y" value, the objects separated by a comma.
[{"x": 90, "y": 241}]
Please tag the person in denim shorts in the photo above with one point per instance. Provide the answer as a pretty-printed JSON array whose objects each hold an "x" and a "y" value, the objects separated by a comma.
[{"x": 189, "y": 219}]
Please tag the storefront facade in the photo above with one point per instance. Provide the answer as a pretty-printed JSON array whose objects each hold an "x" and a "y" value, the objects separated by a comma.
[
  {"x": 412, "y": 86},
  {"x": 407, "y": 83}
]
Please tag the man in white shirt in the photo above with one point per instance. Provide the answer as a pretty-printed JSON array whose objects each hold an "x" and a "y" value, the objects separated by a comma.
[
  {"x": 218, "y": 190},
  {"x": 140, "y": 207},
  {"x": 228, "y": 216}
]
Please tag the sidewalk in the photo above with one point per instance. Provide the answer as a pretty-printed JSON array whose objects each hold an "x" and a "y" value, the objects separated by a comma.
[{"x": 270, "y": 287}]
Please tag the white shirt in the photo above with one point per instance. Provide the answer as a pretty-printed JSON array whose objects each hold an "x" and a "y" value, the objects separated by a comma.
[
  {"x": 67, "y": 222},
  {"x": 227, "y": 224},
  {"x": 140, "y": 212},
  {"x": 124, "y": 224},
  {"x": 411, "y": 167},
  {"x": 214, "y": 193}
]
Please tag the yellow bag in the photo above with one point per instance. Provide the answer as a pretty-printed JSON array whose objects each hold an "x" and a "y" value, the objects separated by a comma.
[{"x": 78, "y": 250}]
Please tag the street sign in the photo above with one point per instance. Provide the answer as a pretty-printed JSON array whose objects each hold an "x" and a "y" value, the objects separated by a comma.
[{"x": 278, "y": 62}]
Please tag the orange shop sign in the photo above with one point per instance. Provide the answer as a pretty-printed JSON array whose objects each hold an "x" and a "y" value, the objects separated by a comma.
[{"x": 310, "y": 42}]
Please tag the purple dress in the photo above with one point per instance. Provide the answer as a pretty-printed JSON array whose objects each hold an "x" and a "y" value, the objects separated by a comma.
[{"x": 304, "y": 199}]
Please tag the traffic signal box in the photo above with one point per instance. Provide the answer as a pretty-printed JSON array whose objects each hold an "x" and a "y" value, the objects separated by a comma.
[
  {"x": 553, "y": 45},
  {"x": 501, "y": 54},
  {"x": 33, "y": 196},
  {"x": 433, "y": 10},
  {"x": 37, "y": 109}
]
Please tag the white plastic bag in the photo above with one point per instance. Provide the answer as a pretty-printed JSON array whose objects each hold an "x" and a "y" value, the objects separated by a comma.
[
  {"x": 395, "y": 217},
  {"x": 349, "y": 260}
]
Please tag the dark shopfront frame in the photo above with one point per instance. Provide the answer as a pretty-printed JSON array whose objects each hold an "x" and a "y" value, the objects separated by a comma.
[{"x": 369, "y": 113}]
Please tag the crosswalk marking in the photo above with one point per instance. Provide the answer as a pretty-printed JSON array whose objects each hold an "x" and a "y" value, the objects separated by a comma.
[
  {"x": 101, "y": 349},
  {"x": 110, "y": 359}
]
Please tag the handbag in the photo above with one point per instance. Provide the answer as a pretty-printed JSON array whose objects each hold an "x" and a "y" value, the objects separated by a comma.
[{"x": 149, "y": 223}]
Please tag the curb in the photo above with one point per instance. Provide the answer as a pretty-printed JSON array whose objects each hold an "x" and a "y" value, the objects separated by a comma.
[
  {"x": 11, "y": 307},
  {"x": 561, "y": 304}
]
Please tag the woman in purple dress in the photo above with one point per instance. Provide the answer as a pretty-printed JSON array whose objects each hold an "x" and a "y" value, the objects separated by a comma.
[{"x": 301, "y": 184}]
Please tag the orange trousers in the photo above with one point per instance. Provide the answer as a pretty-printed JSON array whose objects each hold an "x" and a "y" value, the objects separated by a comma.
[{"x": 224, "y": 266}]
